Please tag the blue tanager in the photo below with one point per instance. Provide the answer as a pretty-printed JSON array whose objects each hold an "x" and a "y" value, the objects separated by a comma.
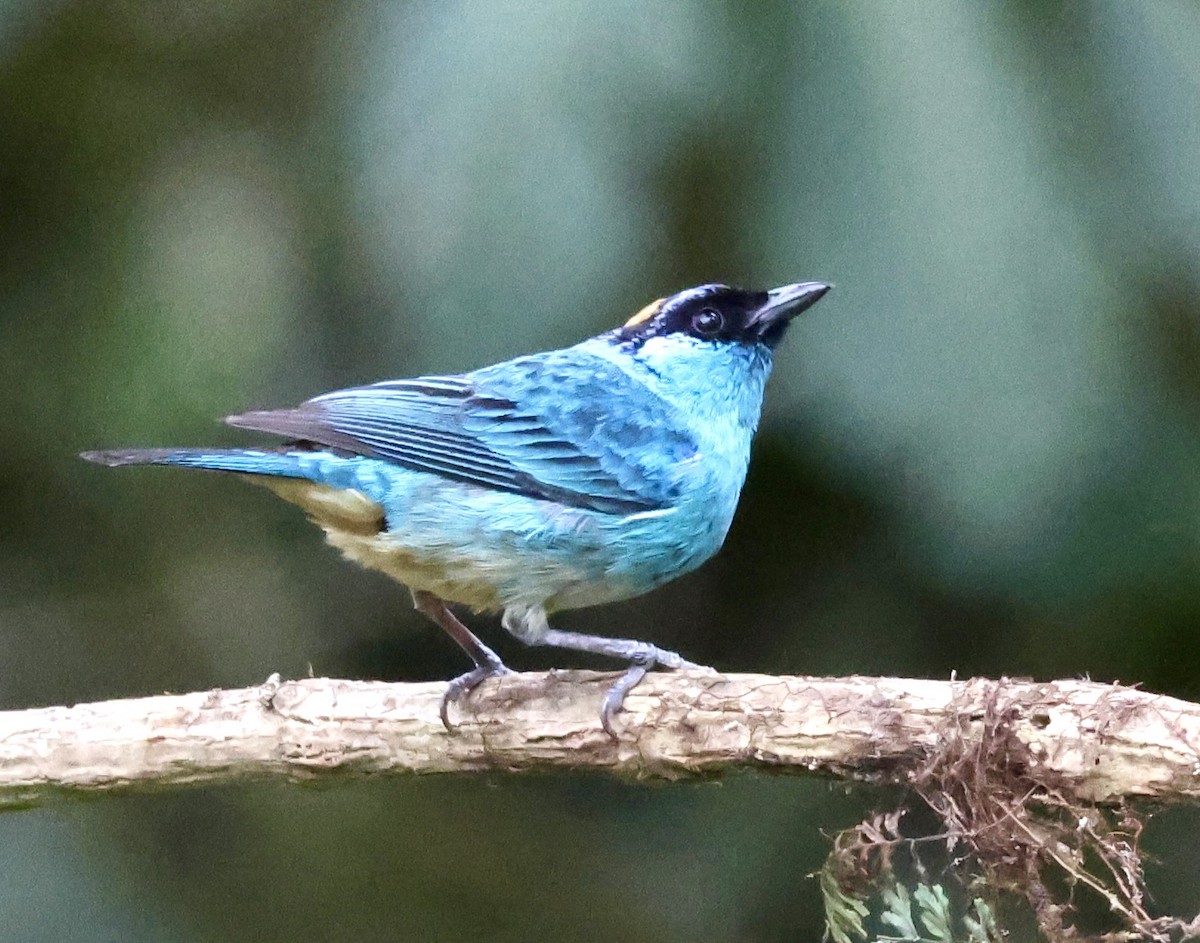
[{"x": 562, "y": 479}]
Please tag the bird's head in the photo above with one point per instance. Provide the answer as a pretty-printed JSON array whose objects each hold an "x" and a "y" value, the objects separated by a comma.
[
  {"x": 718, "y": 315},
  {"x": 708, "y": 349}
]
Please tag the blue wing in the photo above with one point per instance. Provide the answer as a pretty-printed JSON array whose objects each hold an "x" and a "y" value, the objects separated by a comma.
[{"x": 562, "y": 426}]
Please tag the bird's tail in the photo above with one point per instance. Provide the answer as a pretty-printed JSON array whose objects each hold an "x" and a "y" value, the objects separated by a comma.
[
  {"x": 335, "y": 495},
  {"x": 245, "y": 461}
]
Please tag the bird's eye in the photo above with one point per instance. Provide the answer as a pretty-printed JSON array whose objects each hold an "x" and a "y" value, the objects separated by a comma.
[{"x": 708, "y": 321}]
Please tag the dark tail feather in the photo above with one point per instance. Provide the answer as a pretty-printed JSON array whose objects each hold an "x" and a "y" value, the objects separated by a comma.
[{"x": 116, "y": 457}]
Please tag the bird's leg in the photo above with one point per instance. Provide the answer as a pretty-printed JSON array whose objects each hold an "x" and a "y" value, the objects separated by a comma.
[
  {"x": 531, "y": 627},
  {"x": 487, "y": 662}
]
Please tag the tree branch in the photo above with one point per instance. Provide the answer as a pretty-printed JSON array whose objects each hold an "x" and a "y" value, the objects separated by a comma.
[{"x": 1099, "y": 742}]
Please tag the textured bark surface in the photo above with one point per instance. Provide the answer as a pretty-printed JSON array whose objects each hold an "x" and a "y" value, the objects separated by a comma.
[{"x": 1099, "y": 742}]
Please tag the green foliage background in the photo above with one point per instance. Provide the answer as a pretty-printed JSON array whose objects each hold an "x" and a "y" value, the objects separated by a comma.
[{"x": 981, "y": 453}]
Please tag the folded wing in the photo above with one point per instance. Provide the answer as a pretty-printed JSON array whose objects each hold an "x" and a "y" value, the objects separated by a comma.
[{"x": 558, "y": 427}]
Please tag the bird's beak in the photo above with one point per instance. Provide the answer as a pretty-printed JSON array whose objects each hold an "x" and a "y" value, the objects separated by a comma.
[{"x": 783, "y": 304}]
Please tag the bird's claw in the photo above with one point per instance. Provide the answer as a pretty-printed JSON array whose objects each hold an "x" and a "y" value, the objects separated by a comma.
[
  {"x": 614, "y": 698},
  {"x": 462, "y": 686},
  {"x": 685, "y": 665}
]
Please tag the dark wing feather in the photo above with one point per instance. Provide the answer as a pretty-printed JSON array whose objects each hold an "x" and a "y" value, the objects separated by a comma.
[{"x": 535, "y": 426}]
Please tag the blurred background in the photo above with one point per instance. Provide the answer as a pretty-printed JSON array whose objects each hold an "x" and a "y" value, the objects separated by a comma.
[{"x": 980, "y": 454}]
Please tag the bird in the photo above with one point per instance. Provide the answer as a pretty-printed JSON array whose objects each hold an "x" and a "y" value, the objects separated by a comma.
[{"x": 554, "y": 481}]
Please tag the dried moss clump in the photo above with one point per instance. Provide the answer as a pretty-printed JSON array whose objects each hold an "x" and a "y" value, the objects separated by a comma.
[{"x": 1006, "y": 832}]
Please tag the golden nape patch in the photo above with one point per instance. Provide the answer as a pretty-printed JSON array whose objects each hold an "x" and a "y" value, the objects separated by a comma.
[{"x": 646, "y": 313}]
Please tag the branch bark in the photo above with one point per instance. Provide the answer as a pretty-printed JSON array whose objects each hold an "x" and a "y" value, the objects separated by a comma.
[{"x": 1099, "y": 742}]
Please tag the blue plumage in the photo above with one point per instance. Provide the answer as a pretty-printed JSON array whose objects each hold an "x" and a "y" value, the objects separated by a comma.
[{"x": 558, "y": 480}]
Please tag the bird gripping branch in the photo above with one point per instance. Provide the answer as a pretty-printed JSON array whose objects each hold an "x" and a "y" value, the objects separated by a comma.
[{"x": 553, "y": 481}]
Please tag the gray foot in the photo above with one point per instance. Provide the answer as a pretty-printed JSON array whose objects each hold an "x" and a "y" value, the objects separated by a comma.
[
  {"x": 487, "y": 662},
  {"x": 642, "y": 657},
  {"x": 462, "y": 686},
  {"x": 529, "y": 624}
]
